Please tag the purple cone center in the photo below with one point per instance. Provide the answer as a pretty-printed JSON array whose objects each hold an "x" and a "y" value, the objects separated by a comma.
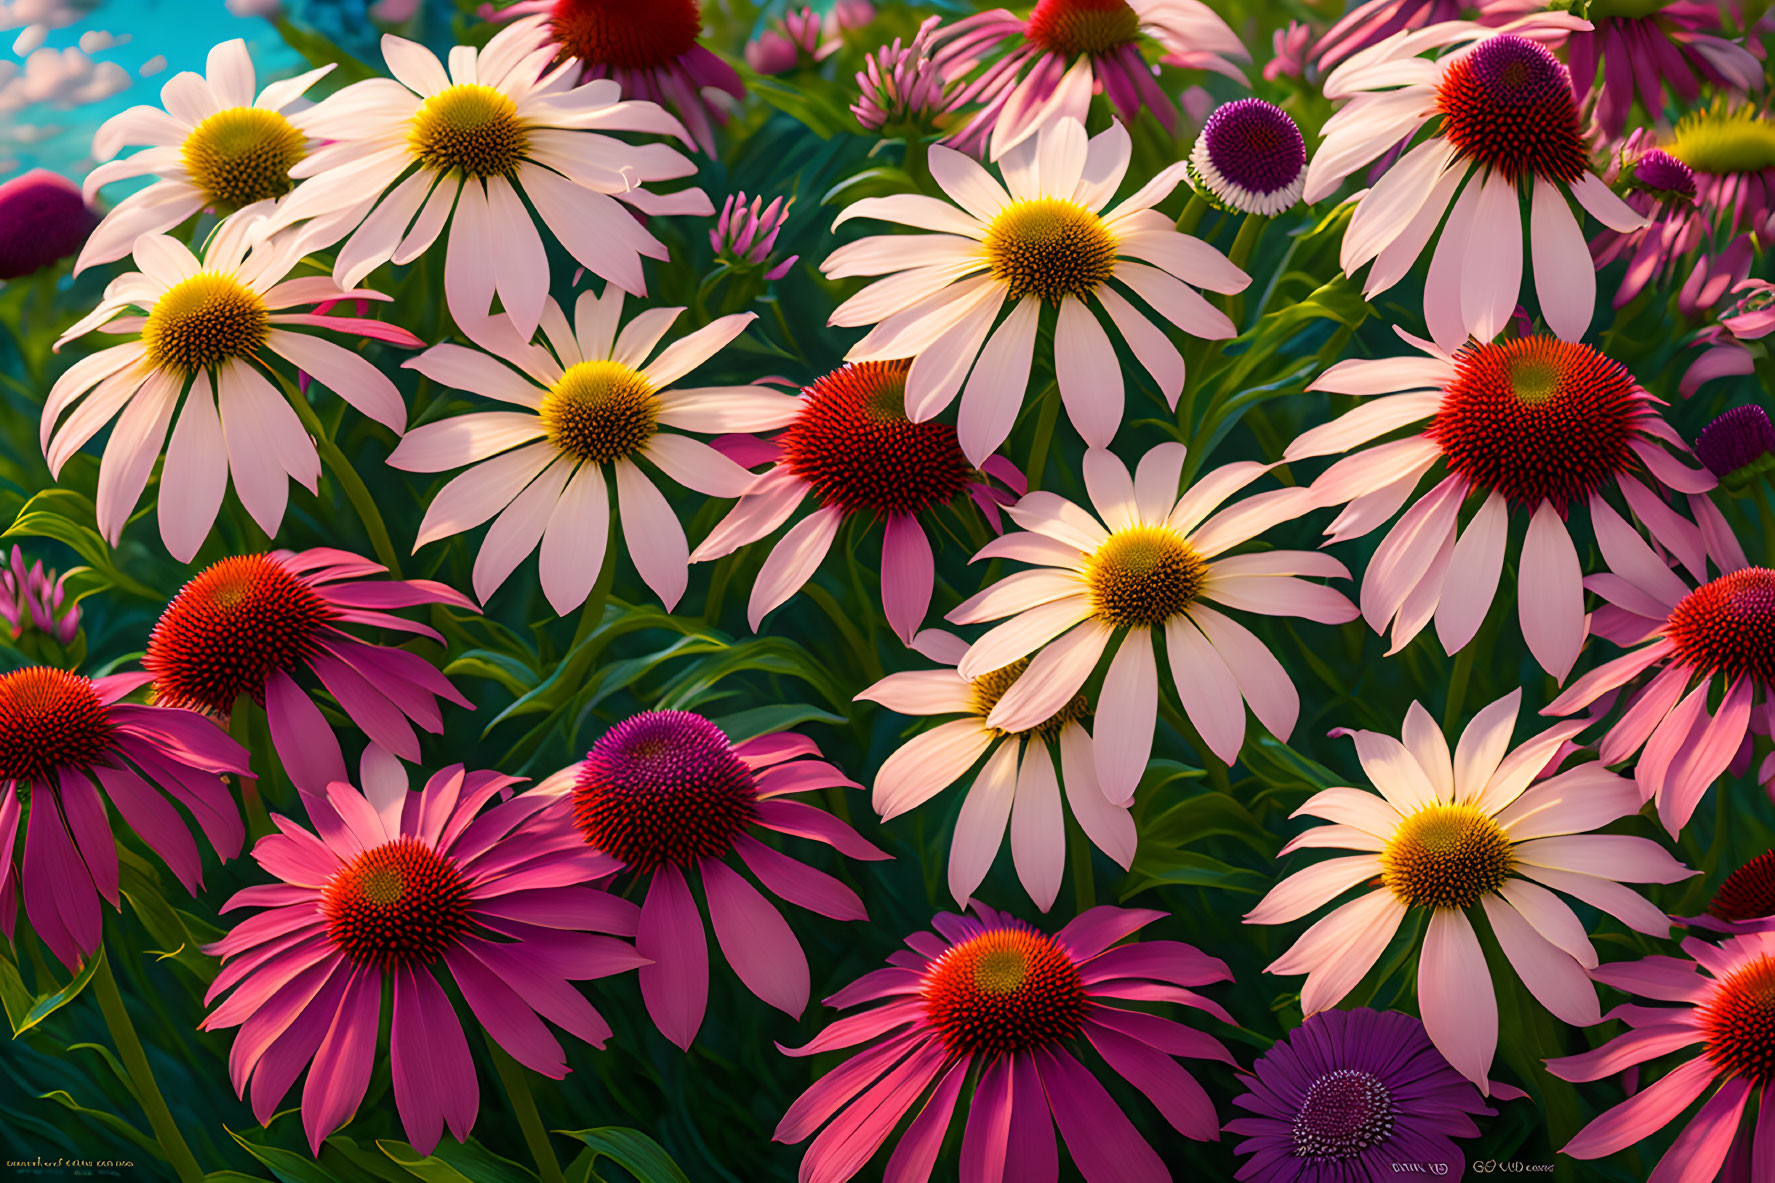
[
  {"x": 1736, "y": 439},
  {"x": 1516, "y": 71},
  {"x": 1663, "y": 172},
  {"x": 1255, "y": 145},
  {"x": 1344, "y": 1113},
  {"x": 42, "y": 219},
  {"x": 664, "y": 751}
]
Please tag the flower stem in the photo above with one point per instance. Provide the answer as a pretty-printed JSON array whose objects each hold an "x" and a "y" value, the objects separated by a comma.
[
  {"x": 1191, "y": 217},
  {"x": 1084, "y": 886},
  {"x": 591, "y": 613},
  {"x": 1046, "y": 414},
  {"x": 918, "y": 161},
  {"x": 355, "y": 489},
  {"x": 1250, "y": 230},
  {"x": 517, "y": 1091},
  {"x": 239, "y": 730},
  {"x": 1457, "y": 685},
  {"x": 141, "y": 1077}
]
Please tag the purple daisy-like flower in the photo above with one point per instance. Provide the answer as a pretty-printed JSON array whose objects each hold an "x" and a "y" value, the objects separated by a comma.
[
  {"x": 42, "y": 218},
  {"x": 1738, "y": 445},
  {"x": 1250, "y": 158},
  {"x": 1347, "y": 1095}
]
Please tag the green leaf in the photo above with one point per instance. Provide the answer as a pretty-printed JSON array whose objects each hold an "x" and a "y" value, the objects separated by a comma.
[
  {"x": 63, "y": 515},
  {"x": 48, "y": 1004},
  {"x": 231, "y": 1177},
  {"x": 1280, "y": 766},
  {"x": 287, "y": 1166},
  {"x": 755, "y": 721},
  {"x": 137, "y": 881},
  {"x": 319, "y": 50},
  {"x": 109, "y": 1120},
  {"x": 508, "y": 671},
  {"x": 631, "y": 1150},
  {"x": 14, "y": 994},
  {"x": 453, "y": 1162},
  {"x": 1186, "y": 868},
  {"x": 1204, "y": 816}
]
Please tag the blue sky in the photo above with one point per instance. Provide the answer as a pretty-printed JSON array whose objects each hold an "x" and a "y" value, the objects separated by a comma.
[{"x": 48, "y": 109}]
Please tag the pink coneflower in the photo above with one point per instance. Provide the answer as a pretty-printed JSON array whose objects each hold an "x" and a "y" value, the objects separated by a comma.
[
  {"x": 1727, "y": 354},
  {"x": 1373, "y": 21},
  {"x": 1041, "y": 249},
  {"x": 1502, "y": 119},
  {"x": 852, "y": 447},
  {"x": 215, "y": 146},
  {"x": 1016, "y": 787},
  {"x": 1724, "y": 992},
  {"x": 900, "y": 89},
  {"x": 389, "y": 885},
  {"x": 247, "y": 625},
  {"x": 744, "y": 234},
  {"x": 481, "y": 140},
  {"x": 208, "y": 336},
  {"x": 1702, "y": 643},
  {"x": 1744, "y": 901},
  {"x": 37, "y": 598},
  {"x": 1149, "y": 563},
  {"x": 994, "y": 1002},
  {"x": 1289, "y": 52},
  {"x": 1448, "y": 832},
  {"x": 1534, "y": 424},
  {"x": 70, "y": 745},
  {"x": 650, "y": 49},
  {"x": 587, "y": 400},
  {"x": 1636, "y": 51},
  {"x": 665, "y": 792},
  {"x": 42, "y": 219},
  {"x": 1027, "y": 71},
  {"x": 803, "y": 39},
  {"x": 1350, "y": 1094},
  {"x": 1661, "y": 189}
]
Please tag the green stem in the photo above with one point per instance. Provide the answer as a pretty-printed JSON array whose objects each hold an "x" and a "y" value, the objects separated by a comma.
[
  {"x": 1084, "y": 886},
  {"x": 1457, "y": 685},
  {"x": 592, "y": 613},
  {"x": 1217, "y": 773},
  {"x": 1250, "y": 230},
  {"x": 141, "y": 1077},
  {"x": 1046, "y": 415},
  {"x": 918, "y": 161},
  {"x": 517, "y": 1090},
  {"x": 1191, "y": 217},
  {"x": 355, "y": 490},
  {"x": 239, "y": 730}
]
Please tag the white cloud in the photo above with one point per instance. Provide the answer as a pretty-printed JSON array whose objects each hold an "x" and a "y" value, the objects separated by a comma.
[
  {"x": 59, "y": 78},
  {"x": 97, "y": 40},
  {"x": 31, "y": 38},
  {"x": 153, "y": 66},
  {"x": 55, "y": 14}
]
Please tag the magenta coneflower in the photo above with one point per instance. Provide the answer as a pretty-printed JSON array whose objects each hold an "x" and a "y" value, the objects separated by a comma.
[
  {"x": 1026, "y": 71},
  {"x": 995, "y": 1003},
  {"x": 745, "y": 233},
  {"x": 1661, "y": 189},
  {"x": 1450, "y": 832},
  {"x": 1015, "y": 788},
  {"x": 390, "y": 885},
  {"x": 1250, "y": 158},
  {"x": 1727, "y": 354},
  {"x": 69, "y": 745},
  {"x": 1635, "y": 51},
  {"x": 36, "y": 597},
  {"x": 650, "y": 49},
  {"x": 247, "y": 625},
  {"x": 1348, "y": 1095},
  {"x": 1724, "y": 992},
  {"x": 42, "y": 219},
  {"x": 900, "y": 89},
  {"x": 1502, "y": 122},
  {"x": 1152, "y": 562},
  {"x": 1738, "y": 446},
  {"x": 853, "y": 448},
  {"x": 665, "y": 792},
  {"x": 1373, "y": 21},
  {"x": 1708, "y": 650},
  {"x": 1744, "y": 901},
  {"x": 203, "y": 336},
  {"x": 1730, "y": 148},
  {"x": 1536, "y": 425}
]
